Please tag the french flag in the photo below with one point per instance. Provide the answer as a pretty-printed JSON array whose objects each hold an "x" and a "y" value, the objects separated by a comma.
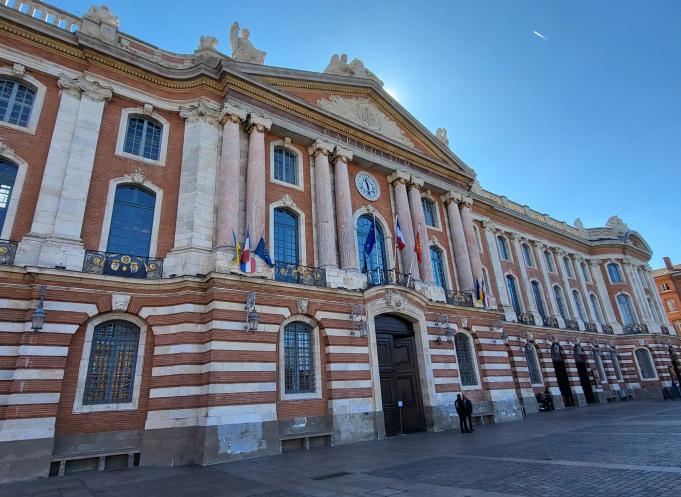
[
  {"x": 247, "y": 261},
  {"x": 399, "y": 237}
]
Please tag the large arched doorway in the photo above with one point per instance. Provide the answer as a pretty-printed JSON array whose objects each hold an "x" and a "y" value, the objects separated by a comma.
[
  {"x": 398, "y": 370},
  {"x": 584, "y": 376},
  {"x": 675, "y": 364},
  {"x": 561, "y": 375}
]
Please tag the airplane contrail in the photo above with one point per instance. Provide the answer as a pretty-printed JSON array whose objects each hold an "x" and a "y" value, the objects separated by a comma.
[{"x": 539, "y": 35}]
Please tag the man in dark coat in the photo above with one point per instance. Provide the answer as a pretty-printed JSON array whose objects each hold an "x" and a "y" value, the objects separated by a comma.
[
  {"x": 468, "y": 413},
  {"x": 461, "y": 412}
]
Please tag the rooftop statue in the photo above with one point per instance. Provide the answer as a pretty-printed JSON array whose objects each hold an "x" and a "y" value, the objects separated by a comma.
[
  {"x": 339, "y": 66},
  {"x": 242, "y": 48},
  {"x": 441, "y": 134}
]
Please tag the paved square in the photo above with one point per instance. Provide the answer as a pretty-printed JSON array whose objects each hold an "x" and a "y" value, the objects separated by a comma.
[{"x": 624, "y": 449}]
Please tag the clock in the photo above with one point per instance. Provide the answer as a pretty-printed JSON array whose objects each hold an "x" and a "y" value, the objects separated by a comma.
[{"x": 367, "y": 186}]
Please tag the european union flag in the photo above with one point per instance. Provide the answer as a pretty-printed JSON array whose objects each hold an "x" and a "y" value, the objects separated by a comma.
[
  {"x": 371, "y": 239},
  {"x": 262, "y": 252}
]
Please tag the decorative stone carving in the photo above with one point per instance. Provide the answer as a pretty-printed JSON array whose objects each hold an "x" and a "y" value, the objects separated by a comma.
[
  {"x": 138, "y": 176},
  {"x": 320, "y": 147},
  {"x": 339, "y": 65},
  {"x": 94, "y": 90},
  {"x": 119, "y": 302},
  {"x": 68, "y": 85},
  {"x": 287, "y": 201},
  {"x": 578, "y": 224},
  {"x": 207, "y": 42},
  {"x": 616, "y": 223},
  {"x": 232, "y": 112},
  {"x": 101, "y": 23},
  {"x": 395, "y": 299},
  {"x": 476, "y": 188},
  {"x": 202, "y": 110},
  {"x": 303, "y": 305},
  {"x": 5, "y": 149},
  {"x": 441, "y": 134},
  {"x": 361, "y": 111},
  {"x": 399, "y": 177},
  {"x": 342, "y": 154},
  {"x": 259, "y": 123},
  {"x": 18, "y": 71},
  {"x": 242, "y": 48},
  {"x": 206, "y": 52}
]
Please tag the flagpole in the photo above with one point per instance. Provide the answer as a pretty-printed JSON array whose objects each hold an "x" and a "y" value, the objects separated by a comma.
[
  {"x": 375, "y": 240},
  {"x": 411, "y": 266},
  {"x": 395, "y": 245}
]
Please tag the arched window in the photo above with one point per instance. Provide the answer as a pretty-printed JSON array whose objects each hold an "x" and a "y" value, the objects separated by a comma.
[
  {"x": 645, "y": 364},
  {"x": 16, "y": 102},
  {"x": 438, "y": 267},
  {"x": 429, "y": 212},
  {"x": 527, "y": 255},
  {"x": 599, "y": 365},
  {"x": 143, "y": 137},
  {"x": 8, "y": 173},
  {"x": 132, "y": 219},
  {"x": 286, "y": 250},
  {"x": 503, "y": 248},
  {"x": 464, "y": 355},
  {"x": 375, "y": 263},
  {"x": 513, "y": 294},
  {"x": 597, "y": 308},
  {"x": 614, "y": 273},
  {"x": 558, "y": 292},
  {"x": 626, "y": 309},
  {"x": 533, "y": 364},
  {"x": 616, "y": 364},
  {"x": 549, "y": 261},
  {"x": 478, "y": 241},
  {"x": 556, "y": 352},
  {"x": 538, "y": 299},
  {"x": 285, "y": 166},
  {"x": 652, "y": 310},
  {"x": 112, "y": 363},
  {"x": 568, "y": 266},
  {"x": 580, "y": 356},
  {"x": 299, "y": 367},
  {"x": 579, "y": 305}
]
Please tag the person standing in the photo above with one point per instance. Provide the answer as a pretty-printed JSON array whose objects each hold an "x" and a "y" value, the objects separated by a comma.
[
  {"x": 468, "y": 413},
  {"x": 461, "y": 412}
]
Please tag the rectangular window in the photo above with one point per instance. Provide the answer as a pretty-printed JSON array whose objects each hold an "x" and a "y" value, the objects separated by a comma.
[
  {"x": 299, "y": 368},
  {"x": 664, "y": 287},
  {"x": 429, "y": 212},
  {"x": 671, "y": 305}
]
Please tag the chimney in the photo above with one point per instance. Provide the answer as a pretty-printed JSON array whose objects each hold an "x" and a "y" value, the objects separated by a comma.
[{"x": 668, "y": 263}]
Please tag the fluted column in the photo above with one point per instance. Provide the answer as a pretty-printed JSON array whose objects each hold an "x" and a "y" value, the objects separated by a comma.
[
  {"x": 228, "y": 174},
  {"x": 603, "y": 294},
  {"x": 461, "y": 256},
  {"x": 419, "y": 222},
  {"x": 346, "y": 240},
  {"x": 255, "y": 175},
  {"x": 471, "y": 243},
  {"x": 637, "y": 289},
  {"x": 399, "y": 181},
  {"x": 524, "y": 280},
  {"x": 490, "y": 233},
  {"x": 326, "y": 230},
  {"x": 552, "y": 303},
  {"x": 657, "y": 300},
  {"x": 567, "y": 290}
]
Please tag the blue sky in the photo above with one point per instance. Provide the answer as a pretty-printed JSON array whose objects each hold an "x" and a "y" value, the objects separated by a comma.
[{"x": 584, "y": 123}]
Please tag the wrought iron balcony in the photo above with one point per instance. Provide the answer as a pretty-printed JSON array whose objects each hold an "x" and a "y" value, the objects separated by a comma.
[
  {"x": 377, "y": 277},
  {"x": 550, "y": 321},
  {"x": 464, "y": 299},
  {"x": 635, "y": 329},
  {"x": 664, "y": 330},
  {"x": 526, "y": 318},
  {"x": 607, "y": 329},
  {"x": 128, "y": 266},
  {"x": 302, "y": 275},
  {"x": 7, "y": 251},
  {"x": 572, "y": 324},
  {"x": 591, "y": 327}
]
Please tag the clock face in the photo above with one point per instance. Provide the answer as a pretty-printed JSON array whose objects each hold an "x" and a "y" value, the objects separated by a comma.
[{"x": 368, "y": 186}]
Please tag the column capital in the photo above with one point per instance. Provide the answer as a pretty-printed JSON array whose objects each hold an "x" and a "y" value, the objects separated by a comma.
[
  {"x": 258, "y": 123},
  {"x": 452, "y": 196},
  {"x": 561, "y": 252},
  {"x": 69, "y": 85},
  {"x": 342, "y": 154},
  {"x": 594, "y": 262},
  {"x": 416, "y": 182},
  {"x": 232, "y": 112},
  {"x": 320, "y": 147},
  {"x": 201, "y": 111},
  {"x": 94, "y": 90},
  {"x": 539, "y": 244},
  {"x": 466, "y": 201},
  {"x": 516, "y": 237},
  {"x": 488, "y": 225},
  {"x": 399, "y": 177}
]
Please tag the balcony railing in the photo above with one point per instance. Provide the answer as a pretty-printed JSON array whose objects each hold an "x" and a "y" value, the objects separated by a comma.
[
  {"x": 635, "y": 329},
  {"x": 607, "y": 329},
  {"x": 526, "y": 318},
  {"x": 463, "y": 299},
  {"x": 550, "y": 321},
  {"x": 302, "y": 275},
  {"x": 664, "y": 330},
  {"x": 8, "y": 249},
  {"x": 591, "y": 327},
  {"x": 128, "y": 266},
  {"x": 377, "y": 277},
  {"x": 572, "y": 324}
]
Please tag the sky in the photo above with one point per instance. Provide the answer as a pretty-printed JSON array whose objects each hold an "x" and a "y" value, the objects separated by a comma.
[{"x": 572, "y": 107}]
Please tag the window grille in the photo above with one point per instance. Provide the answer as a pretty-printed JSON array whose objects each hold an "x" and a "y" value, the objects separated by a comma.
[
  {"x": 533, "y": 364},
  {"x": 113, "y": 358},
  {"x": 645, "y": 364},
  {"x": 285, "y": 166},
  {"x": 464, "y": 355},
  {"x": 299, "y": 369},
  {"x": 16, "y": 102},
  {"x": 615, "y": 364},
  {"x": 143, "y": 137}
]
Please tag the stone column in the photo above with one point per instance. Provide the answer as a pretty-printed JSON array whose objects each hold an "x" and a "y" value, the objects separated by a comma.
[
  {"x": 28, "y": 251},
  {"x": 552, "y": 303},
  {"x": 228, "y": 175},
  {"x": 192, "y": 252},
  {"x": 461, "y": 256},
  {"x": 326, "y": 229},
  {"x": 657, "y": 300},
  {"x": 604, "y": 296},
  {"x": 255, "y": 176},
  {"x": 524, "y": 280},
  {"x": 567, "y": 290},
  {"x": 637, "y": 289},
  {"x": 399, "y": 181},
  {"x": 418, "y": 220},
  {"x": 346, "y": 233},
  {"x": 471, "y": 243},
  {"x": 490, "y": 233},
  {"x": 588, "y": 305}
]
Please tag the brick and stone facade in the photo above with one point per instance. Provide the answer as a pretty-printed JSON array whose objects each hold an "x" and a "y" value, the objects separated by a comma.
[{"x": 206, "y": 390}]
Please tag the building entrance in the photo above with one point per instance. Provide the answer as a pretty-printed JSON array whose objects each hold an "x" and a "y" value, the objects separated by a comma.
[
  {"x": 561, "y": 375},
  {"x": 399, "y": 376},
  {"x": 584, "y": 377}
]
